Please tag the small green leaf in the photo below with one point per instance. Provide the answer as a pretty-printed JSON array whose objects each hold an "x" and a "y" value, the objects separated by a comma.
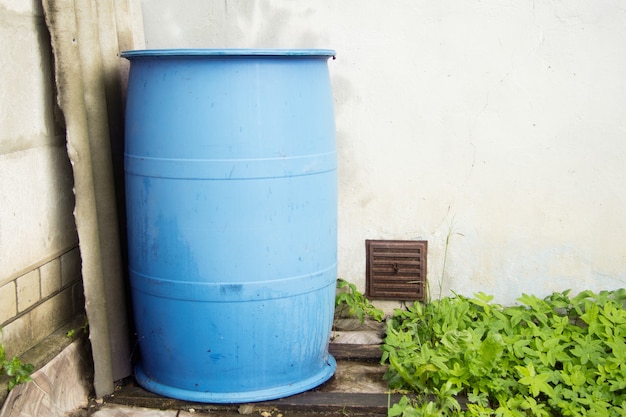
[{"x": 536, "y": 382}]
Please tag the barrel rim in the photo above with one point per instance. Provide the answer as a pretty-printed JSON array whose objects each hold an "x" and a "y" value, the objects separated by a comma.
[{"x": 234, "y": 52}]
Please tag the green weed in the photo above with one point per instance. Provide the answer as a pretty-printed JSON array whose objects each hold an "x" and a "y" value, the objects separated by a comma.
[
  {"x": 557, "y": 356},
  {"x": 349, "y": 301},
  {"x": 17, "y": 371}
]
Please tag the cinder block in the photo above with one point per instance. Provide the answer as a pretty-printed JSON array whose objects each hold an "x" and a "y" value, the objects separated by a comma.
[
  {"x": 50, "y": 276},
  {"x": 41, "y": 206},
  {"x": 26, "y": 8},
  {"x": 51, "y": 314},
  {"x": 28, "y": 292},
  {"x": 18, "y": 335},
  {"x": 70, "y": 267},
  {"x": 25, "y": 61},
  {"x": 8, "y": 302}
]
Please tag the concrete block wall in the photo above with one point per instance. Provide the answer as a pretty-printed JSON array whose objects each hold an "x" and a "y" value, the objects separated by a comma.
[
  {"x": 35, "y": 304},
  {"x": 40, "y": 266}
]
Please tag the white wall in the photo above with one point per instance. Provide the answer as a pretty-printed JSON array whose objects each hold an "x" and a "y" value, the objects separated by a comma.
[
  {"x": 36, "y": 200},
  {"x": 501, "y": 120}
]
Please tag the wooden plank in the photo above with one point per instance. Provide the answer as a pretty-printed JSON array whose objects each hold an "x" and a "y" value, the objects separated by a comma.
[
  {"x": 366, "y": 403},
  {"x": 355, "y": 352},
  {"x": 310, "y": 401}
]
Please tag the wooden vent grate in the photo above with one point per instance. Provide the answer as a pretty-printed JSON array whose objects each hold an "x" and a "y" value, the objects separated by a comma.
[{"x": 396, "y": 269}]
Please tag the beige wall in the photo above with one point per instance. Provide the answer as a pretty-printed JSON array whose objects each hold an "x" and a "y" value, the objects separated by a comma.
[
  {"x": 500, "y": 120},
  {"x": 40, "y": 286}
]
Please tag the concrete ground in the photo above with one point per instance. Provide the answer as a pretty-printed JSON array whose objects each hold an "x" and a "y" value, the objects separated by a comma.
[
  {"x": 62, "y": 387},
  {"x": 356, "y": 389}
]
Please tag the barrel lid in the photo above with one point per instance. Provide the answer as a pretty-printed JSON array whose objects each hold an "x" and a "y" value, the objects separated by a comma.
[{"x": 150, "y": 53}]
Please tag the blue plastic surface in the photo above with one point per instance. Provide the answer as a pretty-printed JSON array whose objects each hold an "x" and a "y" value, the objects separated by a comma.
[{"x": 231, "y": 187}]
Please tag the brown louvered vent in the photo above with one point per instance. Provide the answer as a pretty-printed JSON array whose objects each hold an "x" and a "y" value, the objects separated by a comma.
[{"x": 396, "y": 269}]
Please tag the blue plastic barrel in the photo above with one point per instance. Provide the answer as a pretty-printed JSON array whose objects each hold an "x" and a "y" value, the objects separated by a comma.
[{"x": 231, "y": 187}]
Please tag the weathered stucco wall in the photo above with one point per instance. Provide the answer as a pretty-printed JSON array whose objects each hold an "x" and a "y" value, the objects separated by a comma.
[
  {"x": 502, "y": 121},
  {"x": 40, "y": 286}
]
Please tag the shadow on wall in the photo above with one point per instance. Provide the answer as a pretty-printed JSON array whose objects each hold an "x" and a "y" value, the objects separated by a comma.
[
  {"x": 239, "y": 24},
  {"x": 263, "y": 25}
]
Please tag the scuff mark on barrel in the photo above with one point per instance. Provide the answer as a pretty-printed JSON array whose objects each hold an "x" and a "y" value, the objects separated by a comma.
[{"x": 231, "y": 289}]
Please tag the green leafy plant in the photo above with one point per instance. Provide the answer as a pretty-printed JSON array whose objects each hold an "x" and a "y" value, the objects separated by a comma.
[
  {"x": 17, "y": 371},
  {"x": 72, "y": 333},
  {"x": 557, "y": 356},
  {"x": 349, "y": 301}
]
